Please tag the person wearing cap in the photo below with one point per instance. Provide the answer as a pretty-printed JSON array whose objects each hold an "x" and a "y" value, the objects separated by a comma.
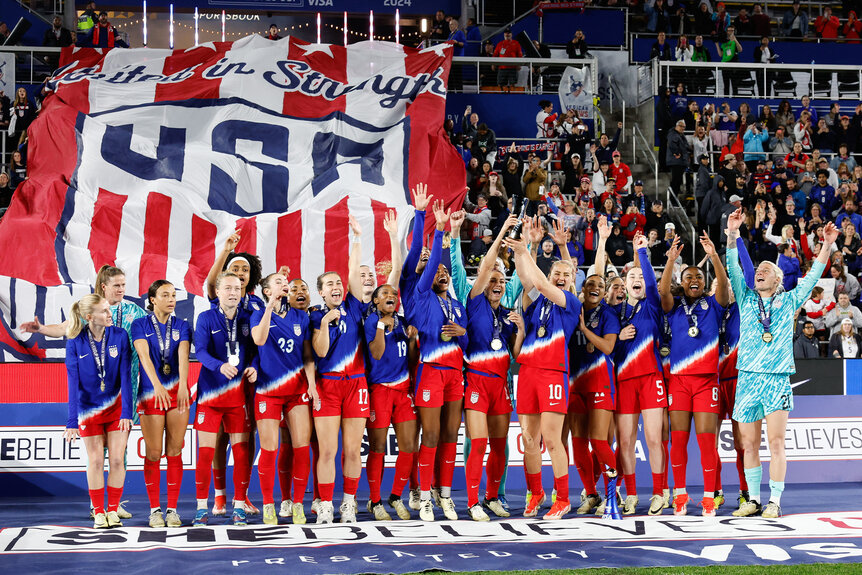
[
  {"x": 703, "y": 181},
  {"x": 584, "y": 191},
  {"x": 554, "y": 195},
  {"x": 273, "y": 32},
  {"x": 573, "y": 170},
  {"x": 846, "y": 343},
  {"x": 734, "y": 146},
  {"x": 104, "y": 35},
  {"x": 796, "y": 159},
  {"x": 637, "y": 197},
  {"x": 678, "y": 156},
  {"x": 795, "y": 22},
  {"x": 507, "y": 75},
  {"x": 621, "y": 173}
]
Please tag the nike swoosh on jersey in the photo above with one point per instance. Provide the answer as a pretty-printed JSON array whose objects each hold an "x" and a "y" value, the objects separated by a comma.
[
  {"x": 213, "y": 332},
  {"x": 83, "y": 356}
]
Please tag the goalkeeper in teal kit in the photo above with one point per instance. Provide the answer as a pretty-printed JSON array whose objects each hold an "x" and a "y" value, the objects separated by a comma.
[{"x": 765, "y": 362}]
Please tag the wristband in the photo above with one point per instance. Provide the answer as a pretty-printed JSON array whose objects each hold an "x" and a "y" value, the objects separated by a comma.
[{"x": 381, "y": 325}]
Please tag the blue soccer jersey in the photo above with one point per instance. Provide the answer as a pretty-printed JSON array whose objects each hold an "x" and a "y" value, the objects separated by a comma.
[
  {"x": 728, "y": 342},
  {"x": 409, "y": 277},
  {"x": 212, "y": 333},
  {"x": 640, "y": 355},
  {"x": 549, "y": 328},
  {"x": 593, "y": 370},
  {"x": 488, "y": 328},
  {"x": 695, "y": 354},
  {"x": 345, "y": 339},
  {"x": 392, "y": 369},
  {"x": 142, "y": 329},
  {"x": 280, "y": 357},
  {"x": 88, "y": 401}
]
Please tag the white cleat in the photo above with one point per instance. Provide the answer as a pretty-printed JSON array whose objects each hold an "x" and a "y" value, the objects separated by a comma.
[
  {"x": 379, "y": 512},
  {"x": 157, "y": 520},
  {"x": 630, "y": 505},
  {"x": 448, "y": 507},
  {"x": 414, "y": 502},
  {"x": 172, "y": 519},
  {"x": 324, "y": 512},
  {"x": 496, "y": 507},
  {"x": 347, "y": 510},
  {"x": 656, "y": 505},
  {"x": 476, "y": 513},
  {"x": 315, "y": 506},
  {"x": 400, "y": 509},
  {"x": 426, "y": 510},
  {"x": 100, "y": 521},
  {"x": 121, "y": 511},
  {"x": 286, "y": 509}
]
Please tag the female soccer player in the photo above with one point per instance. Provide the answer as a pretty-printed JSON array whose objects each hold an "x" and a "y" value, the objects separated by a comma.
[
  {"x": 163, "y": 342},
  {"x": 286, "y": 389},
  {"x": 496, "y": 334},
  {"x": 441, "y": 321},
  {"x": 694, "y": 320},
  {"x": 368, "y": 275},
  {"x": 247, "y": 268},
  {"x": 224, "y": 348},
  {"x": 390, "y": 345},
  {"x": 765, "y": 362},
  {"x": 551, "y": 317},
  {"x": 640, "y": 384},
  {"x": 100, "y": 400},
  {"x": 342, "y": 388}
]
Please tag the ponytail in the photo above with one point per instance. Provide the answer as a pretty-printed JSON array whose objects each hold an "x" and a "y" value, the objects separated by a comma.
[
  {"x": 105, "y": 274},
  {"x": 80, "y": 310}
]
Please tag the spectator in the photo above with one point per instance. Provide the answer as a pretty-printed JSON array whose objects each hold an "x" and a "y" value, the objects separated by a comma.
[
  {"x": 661, "y": 48},
  {"x": 87, "y": 20},
  {"x": 621, "y": 173},
  {"x": 729, "y": 51},
  {"x": 807, "y": 105},
  {"x": 637, "y": 197},
  {"x": 795, "y": 22},
  {"x": 780, "y": 146},
  {"x": 710, "y": 209},
  {"x": 663, "y": 124},
  {"x": 678, "y": 102},
  {"x": 484, "y": 144},
  {"x": 823, "y": 139},
  {"x": 17, "y": 169},
  {"x": 785, "y": 116},
  {"x": 545, "y": 119},
  {"x": 789, "y": 264},
  {"x": 797, "y": 160},
  {"x": 632, "y": 222},
  {"x": 826, "y": 25},
  {"x": 576, "y": 49},
  {"x": 816, "y": 310},
  {"x": 721, "y": 23},
  {"x": 546, "y": 258},
  {"x": 745, "y": 117},
  {"x": 703, "y": 25},
  {"x": 754, "y": 139},
  {"x": 845, "y": 343},
  {"x": 439, "y": 27},
  {"x": 684, "y": 51},
  {"x": 678, "y": 156},
  {"x": 824, "y": 194},
  {"x": 605, "y": 147},
  {"x": 273, "y": 32},
  {"x": 656, "y": 218},
  {"x": 470, "y": 123},
  {"x": 658, "y": 16},
  {"x": 618, "y": 249},
  {"x": 24, "y": 112},
  {"x": 806, "y": 346},
  {"x": 703, "y": 179},
  {"x": 852, "y": 29},
  {"x": 554, "y": 195},
  {"x": 699, "y": 142},
  {"x": 57, "y": 36},
  {"x": 691, "y": 116},
  {"x": 760, "y": 23},
  {"x": 802, "y": 131},
  {"x": 534, "y": 180},
  {"x": 849, "y": 245},
  {"x": 4, "y": 32},
  {"x": 104, "y": 35},
  {"x": 512, "y": 173},
  {"x": 700, "y": 54},
  {"x": 843, "y": 157},
  {"x": 507, "y": 75},
  {"x": 849, "y": 213},
  {"x": 833, "y": 118},
  {"x": 474, "y": 38},
  {"x": 487, "y": 74},
  {"x": 5, "y": 191},
  {"x": 842, "y": 310},
  {"x": 767, "y": 118},
  {"x": 743, "y": 24}
]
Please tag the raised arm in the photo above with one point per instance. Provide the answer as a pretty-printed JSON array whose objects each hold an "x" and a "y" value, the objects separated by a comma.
[
  {"x": 722, "y": 295},
  {"x": 489, "y": 261},
  {"x": 802, "y": 290},
  {"x": 737, "y": 281},
  {"x": 218, "y": 265},
  {"x": 427, "y": 279},
  {"x": 390, "y": 224},
  {"x": 530, "y": 271},
  {"x": 50, "y": 330},
  {"x": 650, "y": 285},
  {"x": 459, "y": 273},
  {"x": 558, "y": 234},
  {"x": 745, "y": 262},
  {"x": 354, "y": 280},
  {"x": 534, "y": 234},
  {"x": 667, "y": 275},
  {"x": 420, "y": 202},
  {"x": 601, "y": 262}
]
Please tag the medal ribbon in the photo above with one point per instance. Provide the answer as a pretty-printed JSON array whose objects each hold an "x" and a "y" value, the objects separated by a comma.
[
  {"x": 119, "y": 322},
  {"x": 498, "y": 323},
  {"x": 692, "y": 319},
  {"x": 765, "y": 314},
  {"x": 625, "y": 321},
  {"x": 446, "y": 306},
  {"x": 230, "y": 331},
  {"x": 545, "y": 314},
  {"x": 98, "y": 357},
  {"x": 164, "y": 345}
]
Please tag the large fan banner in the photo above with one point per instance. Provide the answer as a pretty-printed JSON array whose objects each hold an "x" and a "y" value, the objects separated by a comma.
[{"x": 150, "y": 159}]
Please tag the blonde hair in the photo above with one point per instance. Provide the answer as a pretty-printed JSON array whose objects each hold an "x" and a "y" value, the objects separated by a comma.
[
  {"x": 224, "y": 275},
  {"x": 105, "y": 274},
  {"x": 80, "y": 310},
  {"x": 570, "y": 265}
]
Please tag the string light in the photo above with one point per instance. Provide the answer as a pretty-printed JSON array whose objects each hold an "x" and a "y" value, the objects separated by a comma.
[
  {"x": 171, "y": 36},
  {"x": 318, "y": 27},
  {"x": 145, "y": 22},
  {"x": 222, "y": 25},
  {"x": 397, "y": 25},
  {"x": 371, "y": 25},
  {"x": 196, "y": 25}
]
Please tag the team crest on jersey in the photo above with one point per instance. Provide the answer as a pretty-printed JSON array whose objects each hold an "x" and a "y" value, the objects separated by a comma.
[
  {"x": 245, "y": 330},
  {"x": 670, "y": 399},
  {"x": 457, "y": 312},
  {"x": 255, "y": 306},
  {"x": 704, "y": 305},
  {"x": 426, "y": 395},
  {"x": 113, "y": 351},
  {"x": 373, "y": 416},
  {"x": 261, "y": 406},
  {"x": 474, "y": 397},
  {"x": 200, "y": 417},
  {"x": 594, "y": 324},
  {"x": 83, "y": 427},
  {"x": 297, "y": 329},
  {"x": 175, "y": 334}
]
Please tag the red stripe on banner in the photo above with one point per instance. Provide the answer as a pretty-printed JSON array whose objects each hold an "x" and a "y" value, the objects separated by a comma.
[
  {"x": 105, "y": 228},
  {"x": 247, "y": 230},
  {"x": 301, "y": 105},
  {"x": 154, "y": 259},
  {"x": 202, "y": 254},
  {"x": 336, "y": 243},
  {"x": 288, "y": 250},
  {"x": 194, "y": 87},
  {"x": 382, "y": 244}
]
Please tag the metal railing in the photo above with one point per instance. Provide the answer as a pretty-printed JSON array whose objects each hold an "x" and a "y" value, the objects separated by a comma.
[
  {"x": 33, "y": 64},
  {"x": 774, "y": 81},
  {"x": 479, "y": 74},
  {"x": 612, "y": 93},
  {"x": 646, "y": 151}
]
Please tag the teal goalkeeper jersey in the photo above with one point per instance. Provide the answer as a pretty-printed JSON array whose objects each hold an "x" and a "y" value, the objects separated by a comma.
[{"x": 756, "y": 355}]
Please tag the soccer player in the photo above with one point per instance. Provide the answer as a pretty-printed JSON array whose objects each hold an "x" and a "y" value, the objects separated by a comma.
[
  {"x": 247, "y": 268},
  {"x": 285, "y": 391},
  {"x": 496, "y": 334},
  {"x": 342, "y": 388},
  {"x": 100, "y": 400},
  {"x": 224, "y": 348},
  {"x": 368, "y": 275},
  {"x": 441, "y": 321},
  {"x": 640, "y": 383},
  {"x": 765, "y": 362},
  {"x": 551, "y": 317},
  {"x": 694, "y": 320},
  {"x": 163, "y": 343},
  {"x": 390, "y": 345}
]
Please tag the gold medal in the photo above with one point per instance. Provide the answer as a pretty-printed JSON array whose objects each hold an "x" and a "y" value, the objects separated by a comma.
[
  {"x": 590, "y": 348},
  {"x": 693, "y": 332},
  {"x": 445, "y": 337},
  {"x": 664, "y": 351},
  {"x": 541, "y": 331},
  {"x": 166, "y": 369},
  {"x": 767, "y": 337},
  {"x": 102, "y": 387}
]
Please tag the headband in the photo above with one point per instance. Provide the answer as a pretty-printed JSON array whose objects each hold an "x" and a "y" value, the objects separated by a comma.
[{"x": 235, "y": 258}]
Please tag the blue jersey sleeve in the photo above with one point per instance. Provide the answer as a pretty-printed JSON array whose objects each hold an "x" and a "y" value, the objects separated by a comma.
[
  {"x": 202, "y": 339},
  {"x": 139, "y": 330},
  {"x": 427, "y": 279},
  {"x": 415, "y": 245},
  {"x": 72, "y": 382},
  {"x": 611, "y": 322},
  {"x": 650, "y": 284},
  {"x": 126, "y": 377},
  {"x": 255, "y": 318},
  {"x": 745, "y": 262},
  {"x": 371, "y": 327},
  {"x": 185, "y": 332}
]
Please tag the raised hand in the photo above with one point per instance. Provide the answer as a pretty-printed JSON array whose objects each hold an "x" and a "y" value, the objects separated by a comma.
[
  {"x": 421, "y": 199},
  {"x": 456, "y": 220},
  {"x": 517, "y": 246},
  {"x": 640, "y": 241},
  {"x": 534, "y": 230},
  {"x": 734, "y": 220},
  {"x": 605, "y": 227},
  {"x": 31, "y": 326},
  {"x": 674, "y": 250},
  {"x": 510, "y": 222},
  {"x": 517, "y": 319},
  {"x": 354, "y": 226},
  {"x": 232, "y": 241},
  {"x": 558, "y": 233},
  {"x": 390, "y": 222},
  {"x": 441, "y": 214},
  {"x": 707, "y": 245},
  {"x": 284, "y": 271},
  {"x": 830, "y": 233}
]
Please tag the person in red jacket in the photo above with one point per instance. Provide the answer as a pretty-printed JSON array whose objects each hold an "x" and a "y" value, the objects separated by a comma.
[
  {"x": 632, "y": 222},
  {"x": 853, "y": 28},
  {"x": 507, "y": 75},
  {"x": 827, "y": 25},
  {"x": 104, "y": 35},
  {"x": 621, "y": 173}
]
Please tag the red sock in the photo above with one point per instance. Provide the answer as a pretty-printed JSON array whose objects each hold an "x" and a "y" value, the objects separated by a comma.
[
  {"x": 175, "y": 479},
  {"x": 374, "y": 474},
  {"x": 495, "y": 467},
  {"x": 266, "y": 472},
  {"x": 447, "y": 463},
  {"x": 718, "y": 486},
  {"x": 603, "y": 451},
  {"x": 326, "y": 490},
  {"x": 664, "y": 481},
  {"x": 740, "y": 469},
  {"x": 152, "y": 479},
  {"x": 534, "y": 483},
  {"x": 657, "y": 483},
  {"x": 414, "y": 471},
  {"x": 435, "y": 473},
  {"x": 679, "y": 457},
  {"x": 473, "y": 468},
  {"x": 285, "y": 469},
  {"x": 241, "y": 470},
  {"x": 351, "y": 484},
  {"x": 219, "y": 477},
  {"x": 315, "y": 457},
  {"x": 301, "y": 467},
  {"x": 631, "y": 484},
  {"x": 114, "y": 496},
  {"x": 708, "y": 455},
  {"x": 203, "y": 471},
  {"x": 561, "y": 484},
  {"x": 597, "y": 468},
  {"x": 403, "y": 469},
  {"x": 97, "y": 498},
  {"x": 426, "y": 465},
  {"x": 584, "y": 463}
]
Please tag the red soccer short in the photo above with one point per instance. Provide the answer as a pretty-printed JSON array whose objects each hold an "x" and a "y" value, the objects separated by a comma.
[
  {"x": 542, "y": 390},
  {"x": 583, "y": 401},
  {"x": 641, "y": 392},
  {"x": 436, "y": 385},
  {"x": 726, "y": 397},
  {"x": 342, "y": 395},
  {"x": 693, "y": 393},
  {"x": 487, "y": 393},
  {"x": 91, "y": 429},
  {"x": 277, "y": 407},
  {"x": 390, "y": 406},
  {"x": 148, "y": 405},
  {"x": 235, "y": 419}
]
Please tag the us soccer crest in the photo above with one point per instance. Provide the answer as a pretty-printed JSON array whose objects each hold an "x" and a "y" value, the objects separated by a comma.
[
  {"x": 457, "y": 312},
  {"x": 175, "y": 334},
  {"x": 245, "y": 330},
  {"x": 200, "y": 417},
  {"x": 594, "y": 324},
  {"x": 704, "y": 305},
  {"x": 426, "y": 395},
  {"x": 113, "y": 351},
  {"x": 297, "y": 329},
  {"x": 255, "y": 306},
  {"x": 670, "y": 399},
  {"x": 373, "y": 416},
  {"x": 474, "y": 397},
  {"x": 261, "y": 406}
]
